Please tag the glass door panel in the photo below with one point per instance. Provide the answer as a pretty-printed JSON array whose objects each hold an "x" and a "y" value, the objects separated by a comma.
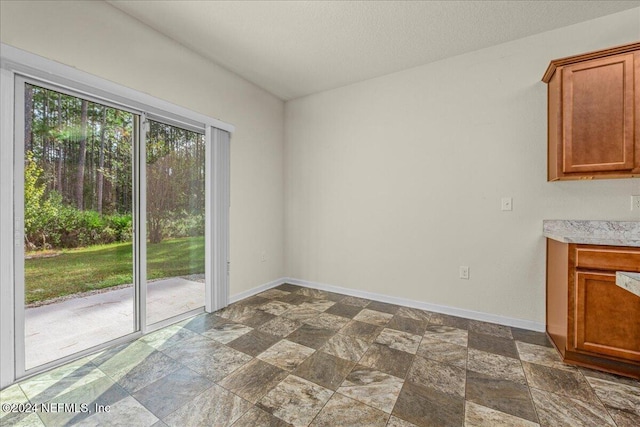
[
  {"x": 78, "y": 216},
  {"x": 175, "y": 208}
]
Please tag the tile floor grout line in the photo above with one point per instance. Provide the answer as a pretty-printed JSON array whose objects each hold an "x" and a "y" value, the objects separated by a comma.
[
  {"x": 405, "y": 379},
  {"x": 323, "y": 406},
  {"x": 606, "y": 408},
  {"x": 466, "y": 383},
  {"x": 579, "y": 372},
  {"x": 179, "y": 407},
  {"x": 526, "y": 378}
]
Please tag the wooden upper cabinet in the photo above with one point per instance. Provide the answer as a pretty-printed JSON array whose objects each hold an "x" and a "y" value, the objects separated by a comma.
[
  {"x": 594, "y": 115},
  {"x": 597, "y": 118}
]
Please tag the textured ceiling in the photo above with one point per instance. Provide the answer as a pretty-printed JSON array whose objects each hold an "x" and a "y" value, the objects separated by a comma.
[{"x": 295, "y": 48}]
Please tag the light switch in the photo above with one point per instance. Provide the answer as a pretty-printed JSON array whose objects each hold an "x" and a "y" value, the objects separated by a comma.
[{"x": 507, "y": 204}]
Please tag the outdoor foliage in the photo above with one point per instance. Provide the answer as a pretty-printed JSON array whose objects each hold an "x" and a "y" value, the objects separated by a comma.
[
  {"x": 175, "y": 182},
  {"x": 37, "y": 208},
  {"x": 50, "y": 223},
  {"x": 79, "y": 196},
  {"x": 83, "y": 148},
  {"x": 79, "y": 175}
]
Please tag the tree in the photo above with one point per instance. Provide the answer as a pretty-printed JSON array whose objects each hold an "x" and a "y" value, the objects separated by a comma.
[
  {"x": 28, "y": 119},
  {"x": 175, "y": 180},
  {"x": 100, "y": 180},
  {"x": 82, "y": 156},
  {"x": 59, "y": 147},
  {"x": 36, "y": 207},
  {"x": 161, "y": 200},
  {"x": 84, "y": 152}
]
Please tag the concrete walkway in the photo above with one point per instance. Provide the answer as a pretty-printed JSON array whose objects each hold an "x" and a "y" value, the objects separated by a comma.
[{"x": 56, "y": 330}]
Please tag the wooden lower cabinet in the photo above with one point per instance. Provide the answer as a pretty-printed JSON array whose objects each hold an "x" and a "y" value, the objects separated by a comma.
[
  {"x": 603, "y": 317},
  {"x": 591, "y": 321}
]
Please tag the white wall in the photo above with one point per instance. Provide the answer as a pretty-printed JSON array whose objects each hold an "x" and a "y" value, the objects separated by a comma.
[
  {"x": 98, "y": 38},
  {"x": 391, "y": 184}
]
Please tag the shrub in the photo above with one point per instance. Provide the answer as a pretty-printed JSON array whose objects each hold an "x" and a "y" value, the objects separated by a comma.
[
  {"x": 122, "y": 226},
  {"x": 50, "y": 223},
  {"x": 57, "y": 225},
  {"x": 37, "y": 209},
  {"x": 183, "y": 224}
]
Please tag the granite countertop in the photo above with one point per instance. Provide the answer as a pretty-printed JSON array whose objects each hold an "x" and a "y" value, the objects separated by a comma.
[
  {"x": 629, "y": 281},
  {"x": 609, "y": 233}
]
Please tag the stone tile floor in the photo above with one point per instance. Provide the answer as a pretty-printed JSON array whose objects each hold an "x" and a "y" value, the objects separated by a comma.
[{"x": 301, "y": 356}]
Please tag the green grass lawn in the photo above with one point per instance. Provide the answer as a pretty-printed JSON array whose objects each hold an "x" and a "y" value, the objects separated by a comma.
[{"x": 103, "y": 266}]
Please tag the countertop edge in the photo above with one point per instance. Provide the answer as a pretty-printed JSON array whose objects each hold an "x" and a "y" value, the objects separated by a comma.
[
  {"x": 590, "y": 240},
  {"x": 629, "y": 281},
  {"x": 593, "y": 232}
]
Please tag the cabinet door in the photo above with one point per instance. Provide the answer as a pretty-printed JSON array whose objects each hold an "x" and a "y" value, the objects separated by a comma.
[
  {"x": 607, "y": 317},
  {"x": 597, "y": 117}
]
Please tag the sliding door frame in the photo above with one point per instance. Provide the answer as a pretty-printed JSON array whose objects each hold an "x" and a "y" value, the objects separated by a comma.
[
  {"x": 138, "y": 303},
  {"x": 17, "y": 65},
  {"x": 210, "y": 154}
]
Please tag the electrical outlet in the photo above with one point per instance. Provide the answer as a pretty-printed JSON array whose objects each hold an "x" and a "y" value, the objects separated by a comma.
[
  {"x": 635, "y": 203},
  {"x": 464, "y": 272},
  {"x": 507, "y": 204},
  {"x": 263, "y": 256}
]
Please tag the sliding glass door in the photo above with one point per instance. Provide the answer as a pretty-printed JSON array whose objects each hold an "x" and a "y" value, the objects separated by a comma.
[
  {"x": 77, "y": 159},
  {"x": 112, "y": 207},
  {"x": 175, "y": 218}
]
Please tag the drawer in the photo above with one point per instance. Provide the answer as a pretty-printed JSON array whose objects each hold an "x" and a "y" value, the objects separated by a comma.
[{"x": 608, "y": 258}]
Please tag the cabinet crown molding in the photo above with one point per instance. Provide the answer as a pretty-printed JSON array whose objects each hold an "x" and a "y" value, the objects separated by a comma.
[{"x": 553, "y": 65}]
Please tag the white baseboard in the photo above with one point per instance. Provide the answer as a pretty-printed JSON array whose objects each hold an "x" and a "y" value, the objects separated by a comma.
[
  {"x": 468, "y": 314},
  {"x": 256, "y": 290}
]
